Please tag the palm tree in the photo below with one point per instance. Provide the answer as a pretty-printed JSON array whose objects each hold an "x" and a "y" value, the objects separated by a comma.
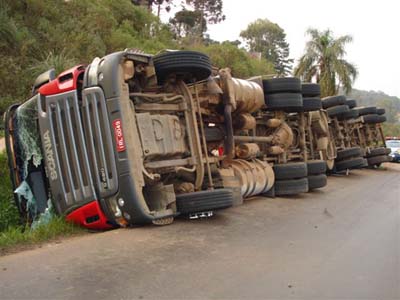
[{"x": 323, "y": 60}]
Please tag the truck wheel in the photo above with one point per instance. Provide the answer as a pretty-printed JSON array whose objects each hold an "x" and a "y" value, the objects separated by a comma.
[
  {"x": 291, "y": 187},
  {"x": 377, "y": 160},
  {"x": 332, "y": 101},
  {"x": 378, "y": 151},
  {"x": 351, "y": 114},
  {"x": 369, "y": 110},
  {"x": 380, "y": 111},
  {"x": 351, "y": 163},
  {"x": 188, "y": 64},
  {"x": 373, "y": 119},
  {"x": 287, "y": 102},
  {"x": 290, "y": 170},
  {"x": 315, "y": 167},
  {"x": 310, "y": 90},
  {"x": 336, "y": 111},
  {"x": 282, "y": 85},
  {"x": 204, "y": 201},
  {"x": 351, "y": 103},
  {"x": 312, "y": 104},
  {"x": 347, "y": 153},
  {"x": 317, "y": 181}
]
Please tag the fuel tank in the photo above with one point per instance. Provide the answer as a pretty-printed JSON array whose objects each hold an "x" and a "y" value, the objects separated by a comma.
[{"x": 249, "y": 96}]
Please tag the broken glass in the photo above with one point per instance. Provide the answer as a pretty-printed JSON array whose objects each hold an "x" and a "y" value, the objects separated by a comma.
[{"x": 28, "y": 134}]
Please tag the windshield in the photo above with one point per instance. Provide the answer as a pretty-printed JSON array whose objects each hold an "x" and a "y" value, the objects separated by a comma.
[{"x": 393, "y": 144}]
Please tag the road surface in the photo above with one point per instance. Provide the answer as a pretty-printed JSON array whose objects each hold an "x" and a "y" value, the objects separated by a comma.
[{"x": 339, "y": 243}]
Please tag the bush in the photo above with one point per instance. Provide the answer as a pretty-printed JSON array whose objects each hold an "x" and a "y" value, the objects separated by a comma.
[
  {"x": 238, "y": 60},
  {"x": 9, "y": 215},
  {"x": 390, "y": 129},
  {"x": 20, "y": 235}
]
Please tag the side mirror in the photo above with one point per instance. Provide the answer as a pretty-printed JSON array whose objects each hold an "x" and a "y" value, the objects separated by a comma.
[{"x": 43, "y": 79}]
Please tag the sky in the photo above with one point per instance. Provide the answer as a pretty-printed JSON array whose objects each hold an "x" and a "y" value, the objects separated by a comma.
[{"x": 374, "y": 26}]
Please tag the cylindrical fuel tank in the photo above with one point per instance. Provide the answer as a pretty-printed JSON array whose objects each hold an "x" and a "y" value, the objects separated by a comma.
[
  {"x": 247, "y": 150},
  {"x": 244, "y": 121},
  {"x": 255, "y": 176},
  {"x": 249, "y": 95}
]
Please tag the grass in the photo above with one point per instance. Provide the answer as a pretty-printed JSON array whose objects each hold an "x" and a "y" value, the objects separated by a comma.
[
  {"x": 9, "y": 216},
  {"x": 23, "y": 236},
  {"x": 13, "y": 234}
]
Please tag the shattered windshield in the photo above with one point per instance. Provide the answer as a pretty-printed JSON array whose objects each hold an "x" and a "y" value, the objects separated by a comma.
[
  {"x": 32, "y": 192},
  {"x": 28, "y": 134}
]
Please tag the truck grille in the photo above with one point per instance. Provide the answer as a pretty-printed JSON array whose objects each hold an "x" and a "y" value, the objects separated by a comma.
[
  {"x": 81, "y": 138},
  {"x": 99, "y": 141}
]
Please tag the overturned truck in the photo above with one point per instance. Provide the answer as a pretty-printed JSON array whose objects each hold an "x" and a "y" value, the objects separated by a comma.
[{"x": 134, "y": 139}]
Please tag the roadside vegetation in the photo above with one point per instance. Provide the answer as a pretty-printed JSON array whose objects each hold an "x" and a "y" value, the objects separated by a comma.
[
  {"x": 13, "y": 232},
  {"x": 25, "y": 236}
]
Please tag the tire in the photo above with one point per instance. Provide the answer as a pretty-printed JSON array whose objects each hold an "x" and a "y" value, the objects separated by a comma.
[
  {"x": 369, "y": 110},
  {"x": 351, "y": 163},
  {"x": 287, "y": 102},
  {"x": 364, "y": 164},
  {"x": 282, "y": 85},
  {"x": 328, "y": 102},
  {"x": 312, "y": 104},
  {"x": 373, "y": 119},
  {"x": 351, "y": 103},
  {"x": 338, "y": 110},
  {"x": 380, "y": 111},
  {"x": 378, "y": 151},
  {"x": 351, "y": 114},
  {"x": 189, "y": 64},
  {"x": 317, "y": 181},
  {"x": 377, "y": 160},
  {"x": 315, "y": 167},
  {"x": 290, "y": 170},
  {"x": 291, "y": 187},
  {"x": 347, "y": 153},
  {"x": 204, "y": 201},
  {"x": 310, "y": 90}
]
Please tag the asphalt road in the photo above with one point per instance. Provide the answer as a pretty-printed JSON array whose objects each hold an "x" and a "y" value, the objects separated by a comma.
[{"x": 340, "y": 243}]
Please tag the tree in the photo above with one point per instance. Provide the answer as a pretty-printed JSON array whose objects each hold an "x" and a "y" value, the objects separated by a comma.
[
  {"x": 323, "y": 61},
  {"x": 188, "y": 22},
  {"x": 210, "y": 11},
  {"x": 270, "y": 40},
  {"x": 150, "y": 3},
  {"x": 227, "y": 54}
]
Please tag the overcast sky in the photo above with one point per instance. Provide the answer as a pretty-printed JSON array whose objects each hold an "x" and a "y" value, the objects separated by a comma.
[{"x": 374, "y": 25}]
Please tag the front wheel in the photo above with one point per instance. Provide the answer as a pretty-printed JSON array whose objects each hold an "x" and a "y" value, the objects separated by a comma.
[{"x": 204, "y": 201}]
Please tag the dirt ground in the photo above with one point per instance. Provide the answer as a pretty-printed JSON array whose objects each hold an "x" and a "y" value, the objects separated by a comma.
[{"x": 340, "y": 242}]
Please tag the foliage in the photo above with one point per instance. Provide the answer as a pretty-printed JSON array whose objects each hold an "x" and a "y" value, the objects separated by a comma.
[
  {"x": 149, "y": 4},
  {"x": 390, "y": 129},
  {"x": 269, "y": 39},
  {"x": 9, "y": 216},
  {"x": 371, "y": 98},
  {"x": 56, "y": 228},
  {"x": 211, "y": 10},
  {"x": 60, "y": 62},
  {"x": 188, "y": 23},
  {"x": 324, "y": 61},
  {"x": 63, "y": 33},
  {"x": 242, "y": 65}
]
